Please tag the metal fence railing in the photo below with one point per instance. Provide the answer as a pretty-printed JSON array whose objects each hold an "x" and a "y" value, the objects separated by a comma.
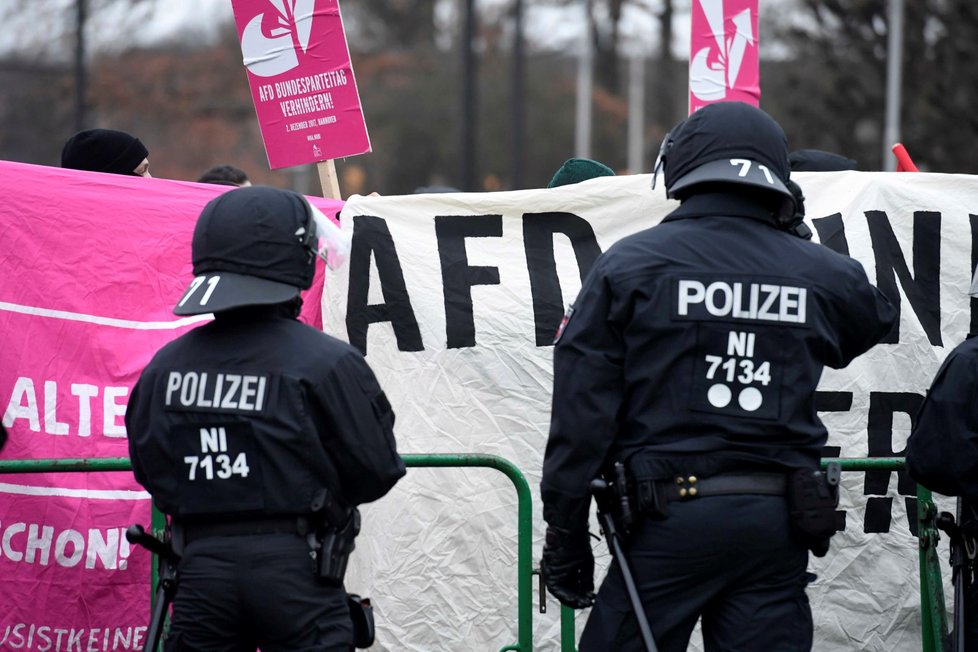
[
  {"x": 932, "y": 604},
  {"x": 933, "y": 615},
  {"x": 524, "y": 533}
]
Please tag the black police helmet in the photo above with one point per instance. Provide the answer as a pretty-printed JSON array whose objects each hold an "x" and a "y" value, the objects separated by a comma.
[
  {"x": 817, "y": 160},
  {"x": 251, "y": 246},
  {"x": 727, "y": 142}
]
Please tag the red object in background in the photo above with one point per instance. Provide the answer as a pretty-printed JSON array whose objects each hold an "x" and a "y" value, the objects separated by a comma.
[{"x": 904, "y": 162}]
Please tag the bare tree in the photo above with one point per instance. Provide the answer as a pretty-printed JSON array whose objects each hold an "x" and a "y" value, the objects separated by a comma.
[
  {"x": 829, "y": 92},
  {"x": 392, "y": 24},
  {"x": 608, "y": 18},
  {"x": 70, "y": 30}
]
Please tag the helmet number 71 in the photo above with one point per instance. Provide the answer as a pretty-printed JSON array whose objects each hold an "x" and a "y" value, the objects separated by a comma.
[
  {"x": 745, "y": 168},
  {"x": 211, "y": 284}
]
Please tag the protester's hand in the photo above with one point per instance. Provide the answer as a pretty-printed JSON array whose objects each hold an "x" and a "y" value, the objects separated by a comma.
[{"x": 568, "y": 567}]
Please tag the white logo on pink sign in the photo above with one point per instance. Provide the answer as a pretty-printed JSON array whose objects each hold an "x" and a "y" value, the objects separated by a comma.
[
  {"x": 301, "y": 80},
  {"x": 723, "y": 62},
  {"x": 267, "y": 56}
]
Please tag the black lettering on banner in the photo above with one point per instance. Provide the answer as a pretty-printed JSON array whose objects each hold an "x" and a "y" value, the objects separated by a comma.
[
  {"x": 541, "y": 262},
  {"x": 882, "y": 407},
  {"x": 832, "y": 233},
  {"x": 973, "y": 220},
  {"x": 923, "y": 287},
  {"x": 458, "y": 276},
  {"x": 371, "y": 237},
  {"x": 832, "y": 402}
]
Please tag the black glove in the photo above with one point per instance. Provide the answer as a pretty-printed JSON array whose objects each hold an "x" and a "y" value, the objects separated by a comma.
[
  {"x": 568, "y": 567},
  {"x": 795, "y": 225}
]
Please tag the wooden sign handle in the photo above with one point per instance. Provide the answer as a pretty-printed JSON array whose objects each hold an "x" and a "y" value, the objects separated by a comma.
[{"x": 328, "y": 179}]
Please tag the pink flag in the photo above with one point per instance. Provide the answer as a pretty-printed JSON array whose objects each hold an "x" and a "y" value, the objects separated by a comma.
[
  {"x": 301, "y": 80},
  {"x": 92, "y": 266},
  {"x": 723, "y": 59}
]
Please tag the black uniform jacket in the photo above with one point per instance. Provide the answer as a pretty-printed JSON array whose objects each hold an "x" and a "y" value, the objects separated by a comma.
[
  {"x": 942, "y": 452},
  {"x": 703, "y": 337},
  {"x": 253, "y": 414}
]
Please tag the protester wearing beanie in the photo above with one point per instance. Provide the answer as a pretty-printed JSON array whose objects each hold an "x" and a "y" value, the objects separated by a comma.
[
  {"x": 106, "y": 150},
  {"x": 575, "y": 170}
]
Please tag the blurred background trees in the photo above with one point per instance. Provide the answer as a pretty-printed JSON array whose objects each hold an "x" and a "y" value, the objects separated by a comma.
[
  {"x": 185, "y": 94},
  {"x": 830, "y": 94}
]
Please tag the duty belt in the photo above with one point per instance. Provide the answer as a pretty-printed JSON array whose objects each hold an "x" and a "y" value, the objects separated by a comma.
[
  {"x": 298, "y": 525},
  {"x": 684, "y": 488}
]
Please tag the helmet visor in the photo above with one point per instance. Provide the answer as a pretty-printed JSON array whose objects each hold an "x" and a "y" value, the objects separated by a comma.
[
  {"x": 661, "y": 156},
  {"x": 328, "y": 241}
]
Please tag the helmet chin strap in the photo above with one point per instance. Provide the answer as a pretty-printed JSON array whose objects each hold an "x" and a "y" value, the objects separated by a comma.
[
  {"x": 295, "y": 306},
  {"x": 791, "y": 217}
]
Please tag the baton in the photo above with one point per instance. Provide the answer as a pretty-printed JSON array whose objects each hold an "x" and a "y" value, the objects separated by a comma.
[
  {"x": 959, "y": 566},
  {"x": 165, "y": 588},
  {"x": 600, "y": 490},
  {"x": 961, "y": 557}
]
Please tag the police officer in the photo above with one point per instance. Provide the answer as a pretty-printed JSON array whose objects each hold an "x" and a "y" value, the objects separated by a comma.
[
  {"x": 691, "y": 357},
  {"x": 242, "y": 427},
  {"x": 942, "y": 455}
]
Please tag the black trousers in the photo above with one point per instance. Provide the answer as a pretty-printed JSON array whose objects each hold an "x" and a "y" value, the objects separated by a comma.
[
  {"x": 727, "y": 559},
  {"x": 971, "y": 617},
  {"x": 238, "y": 593}
]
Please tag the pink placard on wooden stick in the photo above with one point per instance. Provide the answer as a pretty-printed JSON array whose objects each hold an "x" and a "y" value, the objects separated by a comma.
[
  {"x": 723, "y": 55},
  {"x": 301, "y": 80}
]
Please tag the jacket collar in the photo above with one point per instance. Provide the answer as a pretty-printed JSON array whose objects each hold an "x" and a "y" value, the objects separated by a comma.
[{"x": 723, "y": 204}]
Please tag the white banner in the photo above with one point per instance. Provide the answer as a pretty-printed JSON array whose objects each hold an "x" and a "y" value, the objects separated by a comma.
[{"x": 455, "y": 299}]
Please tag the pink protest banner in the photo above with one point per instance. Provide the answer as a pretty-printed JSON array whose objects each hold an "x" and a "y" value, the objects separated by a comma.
[
  {"x": 301, "y": 80},
  {"x": 723, "y": 55},
  {"x": 92, "y": 266}
]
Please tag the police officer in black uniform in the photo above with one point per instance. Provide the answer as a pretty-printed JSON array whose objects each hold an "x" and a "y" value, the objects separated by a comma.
[
  {"x": 243, "y": 428},
  {"x": 691, "y": 357},
  {"x": 942, "y": 455}
]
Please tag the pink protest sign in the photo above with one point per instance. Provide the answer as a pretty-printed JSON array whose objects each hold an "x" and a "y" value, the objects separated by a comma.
[
  {"x": 301, "y": 79},
  {"x": 723, "y": 55},
  {"x": 92, "y": 266}
]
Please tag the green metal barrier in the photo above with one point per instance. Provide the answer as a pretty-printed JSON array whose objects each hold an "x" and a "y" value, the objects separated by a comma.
[
  {"x": 933, "y": 612},
  {"x": 932, "y": 603},
  {"x": 51, "y": 466},
  {"x": 933, "y": 615},
  {"x": 524, "y": 535}
]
